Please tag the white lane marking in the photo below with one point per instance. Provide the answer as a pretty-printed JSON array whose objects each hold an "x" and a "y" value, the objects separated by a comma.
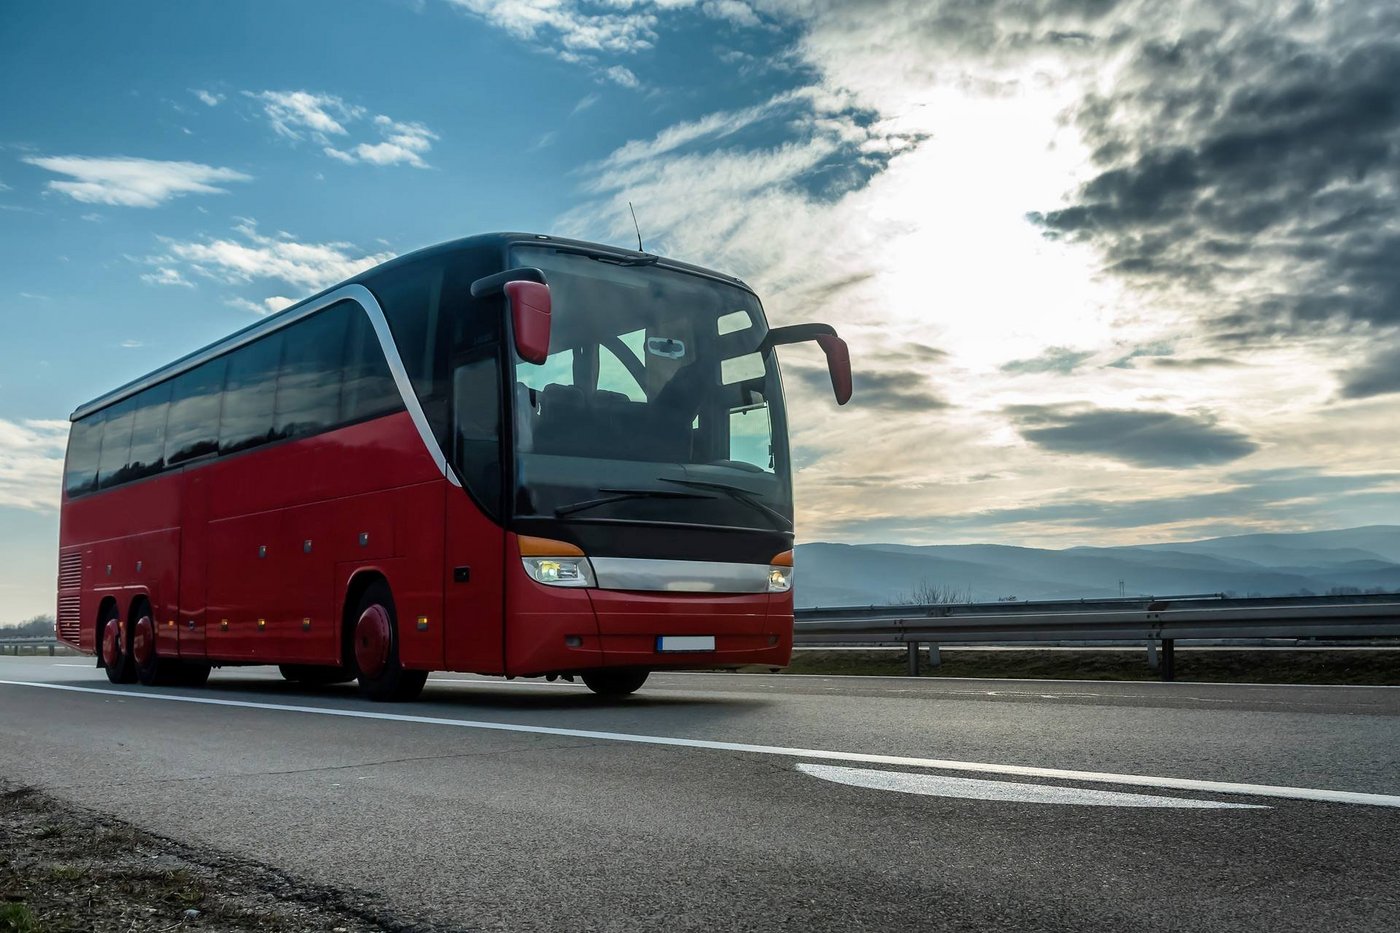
[
  {"x": 1167, "y": 686},
  {"x": 1092, "y": 777},
  {"x": 62, "y": 664},
  {"x": 943, "y": 785}
]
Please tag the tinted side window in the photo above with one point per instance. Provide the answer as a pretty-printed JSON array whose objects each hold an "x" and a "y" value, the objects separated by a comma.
[
  {"x": 148, "y": 433},
  {"x": 369, "y": 388},
  {"x": 308, "y": 385},
  {"x": 84, "y": 448},
  {"x": 476, "y": 390},
  {"x": 116, "y": 443},
  {"x": 249, "y": 395},
  {"x": 193, "y": 427}
]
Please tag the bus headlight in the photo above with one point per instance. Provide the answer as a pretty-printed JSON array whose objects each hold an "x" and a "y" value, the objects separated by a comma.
[
  {"x": 779, "y": 579},
  {"x": 559, "y": 571},
  {"x": 555, "y": 563}
]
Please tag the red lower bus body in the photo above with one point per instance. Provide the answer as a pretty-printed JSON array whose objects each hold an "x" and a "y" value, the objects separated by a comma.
[{"x": 259, "y": 558}]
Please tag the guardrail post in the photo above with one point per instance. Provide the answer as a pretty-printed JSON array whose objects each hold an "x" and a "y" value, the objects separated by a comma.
[
  {"x": 50, "y": 650},
  {"x": 933, "y": 659},
  {"x": 1169, "y": 659},
  {"x": 1152, "y": 654},
  {"x": 913, "y": 659}
]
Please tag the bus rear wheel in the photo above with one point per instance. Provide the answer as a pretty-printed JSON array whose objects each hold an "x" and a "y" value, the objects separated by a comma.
[
  {"x": 317, "y": 675},
  {"x": 374, "y": 649},
  {"x": 616, "y": 683},
  {"x": 151, "y": 669},
  {"x": 116, "y": 658}
]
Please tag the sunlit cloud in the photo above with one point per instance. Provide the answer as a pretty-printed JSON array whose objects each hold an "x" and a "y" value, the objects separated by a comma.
[
  {"x": 31, "y": 463},
  {"x": 251, "y": 256},
  {"x": 131, "y": 182}
]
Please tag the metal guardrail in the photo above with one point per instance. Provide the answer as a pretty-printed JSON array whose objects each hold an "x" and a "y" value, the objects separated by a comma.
[
  {"x": 1155, "y": 621},
  {"x": 12, "y": 644}
]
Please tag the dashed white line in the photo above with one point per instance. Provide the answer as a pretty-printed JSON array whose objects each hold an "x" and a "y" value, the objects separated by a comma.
[{"x": 940, "y": 764}]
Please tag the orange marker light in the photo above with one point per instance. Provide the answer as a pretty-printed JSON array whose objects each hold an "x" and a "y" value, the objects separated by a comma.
[{"x": 547, "y": 547}]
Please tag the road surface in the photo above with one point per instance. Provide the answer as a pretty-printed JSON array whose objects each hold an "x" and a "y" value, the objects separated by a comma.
[{"x": 756, "y": 802}]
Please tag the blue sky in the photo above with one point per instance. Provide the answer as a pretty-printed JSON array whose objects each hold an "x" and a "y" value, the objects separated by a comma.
[{"x": 1110, "y": 272}]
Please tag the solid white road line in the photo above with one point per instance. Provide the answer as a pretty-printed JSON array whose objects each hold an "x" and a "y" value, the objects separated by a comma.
[
  {"x": 1093, "y": 777},
  {"x": 943, "y": 785}
]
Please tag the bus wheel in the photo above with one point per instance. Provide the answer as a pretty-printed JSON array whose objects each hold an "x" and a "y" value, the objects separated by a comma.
[
  {"x": 115, "y": 656},
  {"x": 150, "y": 669},
  {"x": 375, "y": 649},
  {"x": 317, "y": 675},
  {"x": 617, "y": 682}
]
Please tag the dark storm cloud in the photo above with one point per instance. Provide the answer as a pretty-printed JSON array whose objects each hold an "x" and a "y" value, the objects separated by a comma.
[
  {"x": 888, "y": 389},
  {"x": 1380, "y": 375},
  {"x": 1060, "y": 360},
  {"x": 1262, "y": 156},
  {"x": 1143, "y": 438}
]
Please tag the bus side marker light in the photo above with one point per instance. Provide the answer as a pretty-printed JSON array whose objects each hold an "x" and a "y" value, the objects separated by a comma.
[
  {"x": 422, "y": 623},
  {"x": 171, "y": 623},
  {"x": 364, "y": 539},
  {"x": 306, "y": 546},
  {"x": 573, "y": 641},
  {"x": 306, "y": 625},
  {"x": 262, "y": 550},
  {"x": 138, "y": 566},
  {"x": 223, "y": 625},
  {"x": 262, "y": 624}
]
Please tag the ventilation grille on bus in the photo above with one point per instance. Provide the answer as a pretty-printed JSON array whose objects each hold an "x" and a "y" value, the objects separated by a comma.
[
  {"x": 70, "y": 582},
  {"x": 70, "y": 571}
]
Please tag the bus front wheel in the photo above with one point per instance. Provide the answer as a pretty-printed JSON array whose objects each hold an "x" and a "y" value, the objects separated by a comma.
[
  {"x": 616, "y": 683},
  {"x": 374, "y": 649}
]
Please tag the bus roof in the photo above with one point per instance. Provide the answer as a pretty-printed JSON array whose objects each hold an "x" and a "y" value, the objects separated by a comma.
[{"x": 275, "y": 321}]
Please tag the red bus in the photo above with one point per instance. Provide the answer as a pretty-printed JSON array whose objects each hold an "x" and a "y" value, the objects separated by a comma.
[{"x": 509, "y": 454}]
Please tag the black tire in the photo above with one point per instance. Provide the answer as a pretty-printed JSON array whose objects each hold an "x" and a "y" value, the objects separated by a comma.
[
  {"x": 316, "y": 675},
  {"x": 153, "y": 671},
  {"x": 616, "y": 682},
  {"x": 388, "y": 681},
  {"x": 123, "y": 671}
]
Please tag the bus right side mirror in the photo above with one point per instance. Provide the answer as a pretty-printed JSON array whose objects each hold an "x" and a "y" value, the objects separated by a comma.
[
  {"x": 838, "y": 355},
  {"x": 530, "y": 318}
]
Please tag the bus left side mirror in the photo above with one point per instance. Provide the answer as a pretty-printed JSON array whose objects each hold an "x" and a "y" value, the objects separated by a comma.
[{"x": 530, "y": 319}]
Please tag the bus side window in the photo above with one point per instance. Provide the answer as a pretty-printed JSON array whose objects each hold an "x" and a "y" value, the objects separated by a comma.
[
  {"x": 116, "y": 443},
  {"x": 192, "y": 429},
  {"x": 308, "y": 384},
  {"x": 148, "y": 433},
  {"x": 476, "y": 401},
  {"x": 84, "y": 449},
  {"x": 249, "y": 394},
  {"x": 369, "y": 388}
]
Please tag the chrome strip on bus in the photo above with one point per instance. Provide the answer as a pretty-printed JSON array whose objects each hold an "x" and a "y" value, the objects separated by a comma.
[
  {"x": 356, "y": 293},
  {"x": 678, "y": 576}
]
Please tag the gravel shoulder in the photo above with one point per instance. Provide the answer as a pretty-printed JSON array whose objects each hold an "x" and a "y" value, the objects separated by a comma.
[{"x": 68, "y": 869}]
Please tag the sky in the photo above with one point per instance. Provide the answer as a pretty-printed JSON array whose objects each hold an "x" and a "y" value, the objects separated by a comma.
[{"x": 1110, "y": 272}]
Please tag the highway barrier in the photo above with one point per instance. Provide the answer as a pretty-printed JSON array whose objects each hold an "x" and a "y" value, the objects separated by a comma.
[{"x": 1157, "y": 622}]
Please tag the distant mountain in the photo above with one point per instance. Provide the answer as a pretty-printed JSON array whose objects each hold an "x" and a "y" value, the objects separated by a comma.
[{"x": 1263, "y": 564}]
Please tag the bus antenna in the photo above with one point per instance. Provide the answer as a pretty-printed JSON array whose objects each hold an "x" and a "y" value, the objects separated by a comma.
[{"x": 637, "y": 226}]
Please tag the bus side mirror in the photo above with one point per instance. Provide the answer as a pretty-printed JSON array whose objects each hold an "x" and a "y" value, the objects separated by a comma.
[
  {"x": 530, "y": 319},
  {"x": 838, "y": 355},
  {"x": 528, "y": 296}
]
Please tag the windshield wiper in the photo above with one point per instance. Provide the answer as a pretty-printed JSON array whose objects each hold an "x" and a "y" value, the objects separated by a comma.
[
  {"x": 739, "y": 495},
  {"x": 620, "y": 495}
]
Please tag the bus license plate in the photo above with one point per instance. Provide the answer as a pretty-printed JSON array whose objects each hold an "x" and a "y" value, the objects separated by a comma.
[{"x": 685, "y": 643}]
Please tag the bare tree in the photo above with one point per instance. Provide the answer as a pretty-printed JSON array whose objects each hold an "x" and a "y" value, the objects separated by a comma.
[{"x": 931, "y": 594}]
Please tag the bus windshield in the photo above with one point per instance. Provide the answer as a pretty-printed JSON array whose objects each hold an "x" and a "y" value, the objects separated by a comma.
[{"x": 655, "y": 403}]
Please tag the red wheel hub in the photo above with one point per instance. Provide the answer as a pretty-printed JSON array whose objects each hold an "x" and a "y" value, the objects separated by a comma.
[
  {"x": 143, "y": 641},
  {"x": 372, "y": 640},
  {"x": 112, "y": 644}
]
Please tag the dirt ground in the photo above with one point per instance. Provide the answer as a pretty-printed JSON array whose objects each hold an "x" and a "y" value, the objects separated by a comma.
[{"x": 65, "y": 870}]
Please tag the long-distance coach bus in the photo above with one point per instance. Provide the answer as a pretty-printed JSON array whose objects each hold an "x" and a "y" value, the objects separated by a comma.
[{"x": 510, "y": 454}]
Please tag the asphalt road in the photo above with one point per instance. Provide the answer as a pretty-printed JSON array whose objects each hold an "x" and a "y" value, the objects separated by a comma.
[{"x": 751, "y": 802}]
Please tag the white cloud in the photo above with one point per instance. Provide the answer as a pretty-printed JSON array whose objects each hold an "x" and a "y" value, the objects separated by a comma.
[
  {"x": 166, "y": 276},
  {"x": 131, "y": 182},
  {"x": 31, "y": 463},
  {"x": 297, "y": 114},
  {"x": 131, "y": 344},
  {"x": 733, "y": 10},
  {"x": 331, "y": 122},
  {"x": 624, "y": 77},
  {"x": 252, "y": 256},
  {"x": 404, "y": 143},
  {"x": 575, "y": 26},
  {"x": 208, "y": 98}
]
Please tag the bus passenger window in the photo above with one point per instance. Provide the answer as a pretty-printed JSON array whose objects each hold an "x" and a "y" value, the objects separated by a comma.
[{"x": 193, "y": 427}]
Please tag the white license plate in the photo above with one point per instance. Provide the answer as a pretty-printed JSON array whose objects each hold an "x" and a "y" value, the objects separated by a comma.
[{"x": 685, "y": 643}]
